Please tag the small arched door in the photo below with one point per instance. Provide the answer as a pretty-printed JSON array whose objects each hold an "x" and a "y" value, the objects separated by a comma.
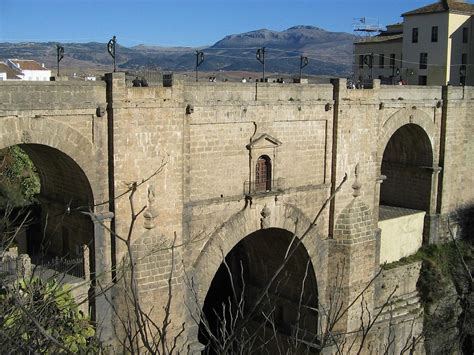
[{"x": 263, "y": 174}]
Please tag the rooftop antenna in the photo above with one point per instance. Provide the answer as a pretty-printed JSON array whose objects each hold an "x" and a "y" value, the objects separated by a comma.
[
  {"x": 363, "y": 29},
  {"x": 59, "y": 54},
  {"x": 261, "y": 58},
  {"x": 303, "y": 62},
  {"x": 366, "y": 26},
  {"x": 111, "y": 49},
  {"x": 199, "y": 60}
]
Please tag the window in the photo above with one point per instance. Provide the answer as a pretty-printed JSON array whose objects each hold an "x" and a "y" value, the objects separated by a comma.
[
  {"x": 392, "y": 60},
  {"x": 263, "y": 174},
  {"x": 434, "y": 34},
  {"x": 381, "y": 60},
  {"x": 423, "y": 60},
  {"x": 422, "y": 80},
  {"x": 465, "y": 35},
  {"x": 361, "y": 61},
  {"x": 463, "y": 69},
  {"x": 414, "y": 35}
]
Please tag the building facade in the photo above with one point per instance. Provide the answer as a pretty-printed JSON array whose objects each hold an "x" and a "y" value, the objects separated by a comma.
[{"x": 434, "y": 45}]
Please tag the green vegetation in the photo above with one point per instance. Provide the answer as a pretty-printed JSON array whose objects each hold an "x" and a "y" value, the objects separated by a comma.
[
  {"x": 446, "y": 292},
  {"x": 19, "y": 180},
  {"x": 42, "y": 317},
  {"x": 441, "y": 267}
]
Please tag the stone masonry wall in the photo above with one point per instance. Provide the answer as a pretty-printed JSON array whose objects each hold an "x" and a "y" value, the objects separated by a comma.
[{"x": 192, "y": 150}]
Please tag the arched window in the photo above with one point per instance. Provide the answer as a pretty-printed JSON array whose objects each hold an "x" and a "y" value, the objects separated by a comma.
[{"x": 263, "y": 174}]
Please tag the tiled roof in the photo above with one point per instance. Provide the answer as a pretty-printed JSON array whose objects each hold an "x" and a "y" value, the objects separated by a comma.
[
  {"x": 442, "y": 6},
  {"x": 11, "y": 74},
  {"x": 28, "y": 64},
  {"x": 381, "y": 38}
]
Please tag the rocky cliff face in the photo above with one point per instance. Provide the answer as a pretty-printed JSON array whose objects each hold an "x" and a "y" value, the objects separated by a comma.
[{"x": 447, "y": 293}]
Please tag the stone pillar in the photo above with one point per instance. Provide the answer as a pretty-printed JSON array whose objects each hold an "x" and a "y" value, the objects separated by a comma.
[
  {"x": 353, "y": 258},
  {"x": 23, "y": 266},
  {"x": 86, "y": 262},
  {"x": 431, "y": 225},
  {"x": 378, "y": 185},
  {"x": 103, "y": 275}
]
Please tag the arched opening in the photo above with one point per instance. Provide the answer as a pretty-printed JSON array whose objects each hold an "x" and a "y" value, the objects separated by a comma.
[
  {"x": 406, "y": 163},
  {"x": 405, "y": 194},
  {"x": 58, "y": 236},
  {"x": 237, "y": 308},
  {"x": 263, "y": 174}
]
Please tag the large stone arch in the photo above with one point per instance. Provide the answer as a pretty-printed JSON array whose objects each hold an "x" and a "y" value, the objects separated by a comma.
[
  {"x": 53, "y": 134},
  {"x": 222, "y": 241},
  {"x": 403, "y": 117},
  {"x": 64, "y": 160}
]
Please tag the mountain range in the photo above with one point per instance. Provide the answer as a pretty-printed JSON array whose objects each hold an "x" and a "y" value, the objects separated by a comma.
[{"x": 329, "y": 53}]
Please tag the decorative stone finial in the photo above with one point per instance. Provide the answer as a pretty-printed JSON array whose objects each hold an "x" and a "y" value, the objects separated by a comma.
[
  {"x": 151, "y": 213},
  {"x": 356, "y": 185},
  {"x": 264, "y": 221}
]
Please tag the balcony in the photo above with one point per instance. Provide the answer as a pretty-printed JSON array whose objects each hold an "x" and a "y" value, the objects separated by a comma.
[{"x": 265, "y": 187}]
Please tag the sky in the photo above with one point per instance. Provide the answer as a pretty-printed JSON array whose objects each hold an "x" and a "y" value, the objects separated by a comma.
[{"x": 181, "y": 22}]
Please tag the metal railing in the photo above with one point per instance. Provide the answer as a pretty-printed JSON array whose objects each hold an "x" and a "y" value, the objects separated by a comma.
[
  {"x": 257, "y": 187},
  {"x": 73, "y": 267}
]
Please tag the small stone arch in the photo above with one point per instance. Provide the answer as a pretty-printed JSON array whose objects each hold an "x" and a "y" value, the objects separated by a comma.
[{"x": 403, "y": 117}]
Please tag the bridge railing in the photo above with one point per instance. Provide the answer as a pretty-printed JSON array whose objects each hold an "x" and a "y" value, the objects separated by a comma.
[{"x": 257, "y": 187}]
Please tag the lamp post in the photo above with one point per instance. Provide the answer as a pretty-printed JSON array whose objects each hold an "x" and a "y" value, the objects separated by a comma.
[
  {"x": 59, "y": 54},
  {"x": 199, "y": 60},
  {"x": 261, "y": 58},
  {"x": 369, "y": 61},
  {"x": 111, "y": 49},
  {"x": 462, "y": 74},
  {"x": 303, "y": 62}
]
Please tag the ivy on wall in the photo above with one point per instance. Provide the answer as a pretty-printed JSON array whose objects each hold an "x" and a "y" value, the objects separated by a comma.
[{"x": 19, "y": 180}]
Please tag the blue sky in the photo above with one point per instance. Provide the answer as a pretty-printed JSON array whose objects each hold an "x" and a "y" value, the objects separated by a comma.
[{"x": 181, "y": 22}]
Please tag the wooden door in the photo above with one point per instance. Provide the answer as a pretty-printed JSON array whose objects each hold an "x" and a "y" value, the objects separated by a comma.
[{"x": 263, "y": 175}]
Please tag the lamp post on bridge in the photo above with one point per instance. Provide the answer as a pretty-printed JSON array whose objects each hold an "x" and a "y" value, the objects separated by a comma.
[
  {"x": 261, "y": 58},
  {"x": 111, "y": 49},
  {"x": 59, "y": 55},
  {"x": 303, "y": 62},
  {"x": 199, "y": 61}
]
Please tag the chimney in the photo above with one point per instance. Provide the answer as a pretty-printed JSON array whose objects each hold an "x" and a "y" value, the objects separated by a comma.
[{"x": 42, "y": 65}]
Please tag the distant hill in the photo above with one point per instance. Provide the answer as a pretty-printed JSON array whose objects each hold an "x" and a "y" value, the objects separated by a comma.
[{"x": 330, "y": 53}]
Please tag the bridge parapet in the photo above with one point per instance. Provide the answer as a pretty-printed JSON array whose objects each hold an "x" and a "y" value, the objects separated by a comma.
[
  {"x": 410, "y": 93},
  {"x": 25, "y": 95},
  {"x": 249, "y": 92}
]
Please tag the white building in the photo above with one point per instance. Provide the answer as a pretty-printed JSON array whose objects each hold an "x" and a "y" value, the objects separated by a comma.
[
  {"x": 386, "y": 51},
  {"x": 29, "y": 69},
  {"x": 7, "y": 73},
  {"x": 434, "y": 43}
]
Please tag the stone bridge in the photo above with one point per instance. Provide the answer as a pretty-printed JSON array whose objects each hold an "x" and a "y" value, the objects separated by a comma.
[{"x": 242, "y": 168}]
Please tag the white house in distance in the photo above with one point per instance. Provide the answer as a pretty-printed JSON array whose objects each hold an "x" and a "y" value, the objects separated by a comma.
[
  {"x": 29, "y": 69},
  {"x": 433, "y": 46},
  {"x": 7, "y": 73}
]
